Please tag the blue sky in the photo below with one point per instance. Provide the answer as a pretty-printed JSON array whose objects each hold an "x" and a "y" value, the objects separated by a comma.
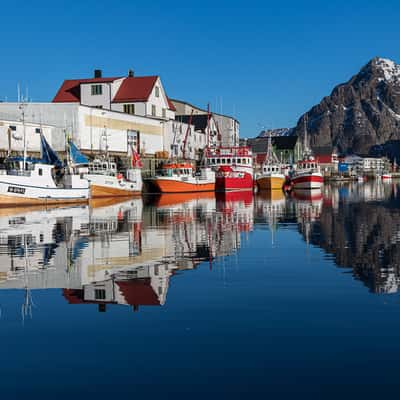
[{"x": 264, "y": 62}]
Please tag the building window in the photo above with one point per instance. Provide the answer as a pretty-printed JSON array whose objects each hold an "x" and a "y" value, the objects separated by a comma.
[
  {"x": 40, "y": 172},
  {"x": 129, "y": 108},
  {"x": 13, "y": 128},
  {"x": 153, "y": 110},
  {"x": 157, "y": 90},
  {"x": 100, "y": 294},
  {"x": 38, "y": 130},
  {"x": 164, "y": 113},
  {"x": 97, "y": 90}
]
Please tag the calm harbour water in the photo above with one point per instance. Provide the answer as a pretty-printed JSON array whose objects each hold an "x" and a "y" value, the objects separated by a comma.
[{"x": 204, "y": 297}]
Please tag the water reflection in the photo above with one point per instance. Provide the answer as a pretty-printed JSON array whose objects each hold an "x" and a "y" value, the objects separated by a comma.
[
  {"x": 127, "y": 252},
  {"x": 359, "y": 224},
  {"x": 119, "y": 252}
]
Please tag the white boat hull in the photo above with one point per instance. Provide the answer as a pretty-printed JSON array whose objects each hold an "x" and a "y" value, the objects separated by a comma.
[
  {"x": 12, "y": 193},
  {"x": 308, "y": 181}
]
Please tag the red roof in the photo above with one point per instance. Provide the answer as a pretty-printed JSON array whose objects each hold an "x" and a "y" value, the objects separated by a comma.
[
  {"x": 138, "y": 292},
  {"x": 135, "y": 89},
  {"x": 324, "y": 158},
  {"x": 171, "y": 105},
  {"x": 70, "y": 92}
]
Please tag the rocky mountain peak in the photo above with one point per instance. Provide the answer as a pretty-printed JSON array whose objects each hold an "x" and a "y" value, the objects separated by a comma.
[{"x": 358, "y": 115}]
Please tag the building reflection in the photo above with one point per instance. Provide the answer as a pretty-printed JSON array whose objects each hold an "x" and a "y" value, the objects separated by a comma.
[{"x": 118, "y": 252}]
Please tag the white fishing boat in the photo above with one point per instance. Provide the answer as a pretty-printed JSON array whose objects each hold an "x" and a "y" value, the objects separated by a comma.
[
  {"x": 29, "y": 181},
  {"x": 105, "y": 179},
  {"x": 307, "y": 174}
]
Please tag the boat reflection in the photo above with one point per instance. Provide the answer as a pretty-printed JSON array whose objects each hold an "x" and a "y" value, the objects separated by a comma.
[{"x": 113, "y": 252}]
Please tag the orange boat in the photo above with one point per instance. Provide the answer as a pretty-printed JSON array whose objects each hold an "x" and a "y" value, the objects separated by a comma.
[{"x": 182, "y": 178}]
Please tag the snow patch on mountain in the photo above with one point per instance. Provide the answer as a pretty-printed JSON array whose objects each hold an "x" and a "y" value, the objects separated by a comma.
[{"x": 391, "y": 70}]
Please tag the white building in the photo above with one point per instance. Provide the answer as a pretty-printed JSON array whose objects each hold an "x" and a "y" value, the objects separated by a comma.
[
  {"x": 223, "y": 129},
  {"x": 92, "y": 129},
  {"x": 111, "y": 113},
  {"x": 144, "y": 96},
  {"x": 367, "y": 165}
]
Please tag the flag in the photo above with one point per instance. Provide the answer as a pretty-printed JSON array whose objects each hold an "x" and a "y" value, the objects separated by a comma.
[{"x": 135, "y": 158}]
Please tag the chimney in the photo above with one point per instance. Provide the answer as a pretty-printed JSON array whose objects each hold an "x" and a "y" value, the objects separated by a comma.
[
  {"x": 97, "y": 73},
  {"x": 130, "y": 73}
]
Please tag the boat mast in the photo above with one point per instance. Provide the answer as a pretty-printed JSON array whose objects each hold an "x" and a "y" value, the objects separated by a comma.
[
  {"x": 186, "y": 135},
  {"x": 208, "y": 125},
  {"x": 269, "y": 149},
  {"x": 306, "y": 150},
  {"x": 22, "y": 108}
]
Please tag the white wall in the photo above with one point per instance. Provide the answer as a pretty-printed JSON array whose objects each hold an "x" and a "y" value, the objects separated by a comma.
[
  {"x": 87, "y": 125},
  {"x": 160, "y": 102},
  {"x": 177, "y": 130},
  {"x": 96, "y": 100},
  {"x": 140, "y": 108},
  {"x": 54, "y": 136}
]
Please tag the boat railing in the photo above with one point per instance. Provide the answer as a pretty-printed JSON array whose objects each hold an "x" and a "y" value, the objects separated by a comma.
[{"x": 15, "y": 172}]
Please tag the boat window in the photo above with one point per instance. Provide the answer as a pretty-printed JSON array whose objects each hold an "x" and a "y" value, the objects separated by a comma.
[
  {"x": 244, "y": 161},
  {"x": 223, "y": 161},
  {"x": 228, "y": 160},
  {"x": 218, "y": 161},
  {"x": 40, "y": 172}
]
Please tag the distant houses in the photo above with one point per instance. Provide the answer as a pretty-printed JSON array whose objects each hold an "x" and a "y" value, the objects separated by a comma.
[{"x": 288, "y": 150}]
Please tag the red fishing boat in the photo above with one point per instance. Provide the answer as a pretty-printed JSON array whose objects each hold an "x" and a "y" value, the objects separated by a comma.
[
  {"x": 307, "y": 175},
  {"x": 233, "y": 166}
]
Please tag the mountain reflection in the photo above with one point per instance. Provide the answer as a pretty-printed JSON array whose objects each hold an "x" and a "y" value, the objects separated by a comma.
[
  {"x": 359, "y": 225},
  {"x": 127, "y": 252}
]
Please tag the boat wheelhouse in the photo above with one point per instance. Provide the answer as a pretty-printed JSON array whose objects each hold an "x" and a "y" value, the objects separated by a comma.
[
  {"x": 233, "y": 166},
  {"x": 183, "y": 178},
  {"x": 271, "y": 177},
  {"x": 105, "y": 180},
  {"x": 29, "y": 181}
]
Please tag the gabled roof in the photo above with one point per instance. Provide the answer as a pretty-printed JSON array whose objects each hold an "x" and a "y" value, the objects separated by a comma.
[
  {"x": 135, "y": 89},
  {"x": 70, "y": 92}
]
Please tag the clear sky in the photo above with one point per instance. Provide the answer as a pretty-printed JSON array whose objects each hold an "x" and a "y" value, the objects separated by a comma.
[{"x": 263, "y": 62}]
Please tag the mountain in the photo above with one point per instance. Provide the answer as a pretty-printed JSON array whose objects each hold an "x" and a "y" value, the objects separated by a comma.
[
  {"x": 360, "y": 116},
  {"x": 276, "y": 132}
]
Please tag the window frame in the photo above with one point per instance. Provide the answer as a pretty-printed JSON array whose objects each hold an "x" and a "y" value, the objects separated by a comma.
[{"x": 96, "y": 89}]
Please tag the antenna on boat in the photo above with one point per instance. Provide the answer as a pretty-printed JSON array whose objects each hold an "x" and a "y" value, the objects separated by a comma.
[
  {"x": 208, "y": 125},
  {"x": 22, "y": 106}
]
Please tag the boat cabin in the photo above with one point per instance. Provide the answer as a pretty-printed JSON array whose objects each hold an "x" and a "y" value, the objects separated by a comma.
[
  {"x": 103, "y": 167},
  {"x": 33, "y": 171},
  {"x": 229, "y": 156},
  {"x": 271, "y": 169},
  {"x": 33, "y": 167},
  {"x": 176, "y": 170},
  {"x": 307, "y": 164}
]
